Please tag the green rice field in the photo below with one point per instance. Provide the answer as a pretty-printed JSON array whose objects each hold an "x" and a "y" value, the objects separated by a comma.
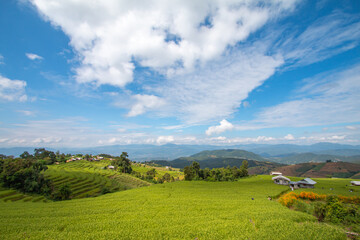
[
  {"x": 85, "y": 179},
  {"x": 177, "y": 210}
]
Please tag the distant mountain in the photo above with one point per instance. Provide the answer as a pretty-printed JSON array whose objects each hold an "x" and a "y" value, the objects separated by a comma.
[
  {"x": 228, "y": 153},
  {"x": 145, "y": 152},
  {"x": 286, "y": 149},
  {"x": 224, "y": 158},
  {"x": 255, "y": 167},
  {"x": 340, "y": 152},
  {"x": 322, "y": 170},
  {"x": 312, "y": 157},
  {"x": 138, "y": 152}
]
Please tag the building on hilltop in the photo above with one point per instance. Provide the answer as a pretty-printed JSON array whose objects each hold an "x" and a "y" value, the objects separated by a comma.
[
  {"x": 281, "y": 180},
  {"x": 276, "y": 173}
]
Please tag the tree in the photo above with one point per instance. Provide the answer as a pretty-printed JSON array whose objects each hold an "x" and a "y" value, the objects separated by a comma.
[
  {"x": 196, "y": 168},
  {"x": 64, "y": 192},
  {"x": 26, "y": 155},
  {"x": 244, "y": 169},
  {"x": 188, "y": 173},
  {"x": 124, "y": 163},
  {"x": 166, "y": 177},
  {"x": 25, "y": 175}
]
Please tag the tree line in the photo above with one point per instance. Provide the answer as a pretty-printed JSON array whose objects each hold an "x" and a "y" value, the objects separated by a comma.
[{"x": 194, "y": 172}]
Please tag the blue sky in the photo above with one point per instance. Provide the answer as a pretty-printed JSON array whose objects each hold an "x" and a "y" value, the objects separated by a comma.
[{"x": 74, "y": 74}]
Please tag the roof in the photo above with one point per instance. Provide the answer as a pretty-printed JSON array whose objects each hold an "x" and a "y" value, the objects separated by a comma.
[
  {"x": 281, "y": 177},
  {"x": 276, "y": 173},
  {"x": 355, "y": 182},
  {"x": 304, "y": 181},
  {"x": 308, "y": 180}
]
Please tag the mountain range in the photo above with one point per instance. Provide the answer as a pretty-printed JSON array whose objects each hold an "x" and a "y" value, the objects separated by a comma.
[{"x": 283, "y": 153}]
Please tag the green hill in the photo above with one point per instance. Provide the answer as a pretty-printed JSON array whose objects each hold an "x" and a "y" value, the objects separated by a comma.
[
  {"x": 228, "y": 153},
  {"x": 178, "y": 210},
  {"x": 224, "y": 158}
]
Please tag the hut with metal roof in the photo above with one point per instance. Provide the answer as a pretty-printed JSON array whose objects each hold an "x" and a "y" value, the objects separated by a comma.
[
  {"x": 355, "y": 183},
  {"x": 304, "y": 183},
  {"x": 281, "y": 180}
]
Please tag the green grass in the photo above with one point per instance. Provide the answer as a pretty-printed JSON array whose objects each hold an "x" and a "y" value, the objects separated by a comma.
[
  {"x": 160, "y": 171},
  {"x": 178, "y": 210}
]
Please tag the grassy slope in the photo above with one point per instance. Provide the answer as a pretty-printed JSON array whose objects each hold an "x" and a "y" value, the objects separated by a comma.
[
  {"x": 179, "y": 210},
  {"x": 86, "y": 179}
]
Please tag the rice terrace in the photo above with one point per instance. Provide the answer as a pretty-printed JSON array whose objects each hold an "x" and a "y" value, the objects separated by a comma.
[{"x": 180, "y": 119}]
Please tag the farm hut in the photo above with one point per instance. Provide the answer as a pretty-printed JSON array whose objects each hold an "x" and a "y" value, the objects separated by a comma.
[
  {"x": 281, "y": 180},
  {"x": 355, "y": 183},
  {"x": 304, "y": 183},
  {"x": 276, "y": 173},
  {"x": 110, "y": 167}
]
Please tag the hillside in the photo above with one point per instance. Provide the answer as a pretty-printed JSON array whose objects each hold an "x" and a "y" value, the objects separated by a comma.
[
  {"x": 228, "y": 153},
  {"x": 89, "y": 179},
  {"x": 322, "y": 170},
  {"x": 312, "y": 157},
  {"x": 179, "y": 210}
]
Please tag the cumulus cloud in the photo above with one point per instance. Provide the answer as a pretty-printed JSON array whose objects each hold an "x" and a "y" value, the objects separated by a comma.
[
  {"x": 165, "y": 139},
  {"x": 169, "y": 37},
  {"x": 12, "y": 90},
  {"x": 198, "y": 46},
  {"x": 224, "y": 126},
  {"x": 289, "y": 137},
  {"x": 33, "y": 56},
  {"x": 144, "y": 103}
]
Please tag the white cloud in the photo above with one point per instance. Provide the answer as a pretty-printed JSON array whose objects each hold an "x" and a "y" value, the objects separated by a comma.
[
  {"x": 165, "y": 139},
  {"x": 328, "y": 36},
  {"x": 216, "y": 90},
  {"x": 12, "y": 90},
  {"x": 289, "y": 137},
  {"x": 2, "y": 59},
  {"x": 326, "y": 99},
  {"x": 170, "y": 37},
  {"x": 26, "y": 112},
  {"x": 144, "y": 103},
  {"x": 224, "y": 126},
  {"x": 199, "y": 46},
  {"x": 351, "y": 127},
  {"x": 33, "y": 56}
]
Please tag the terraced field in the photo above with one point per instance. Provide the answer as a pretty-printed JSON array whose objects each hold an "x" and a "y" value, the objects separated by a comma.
[
  {"x": 9, "y": 195},
  {"x": 86, "y": 179},
  {"x": 178, "y": 210}
]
